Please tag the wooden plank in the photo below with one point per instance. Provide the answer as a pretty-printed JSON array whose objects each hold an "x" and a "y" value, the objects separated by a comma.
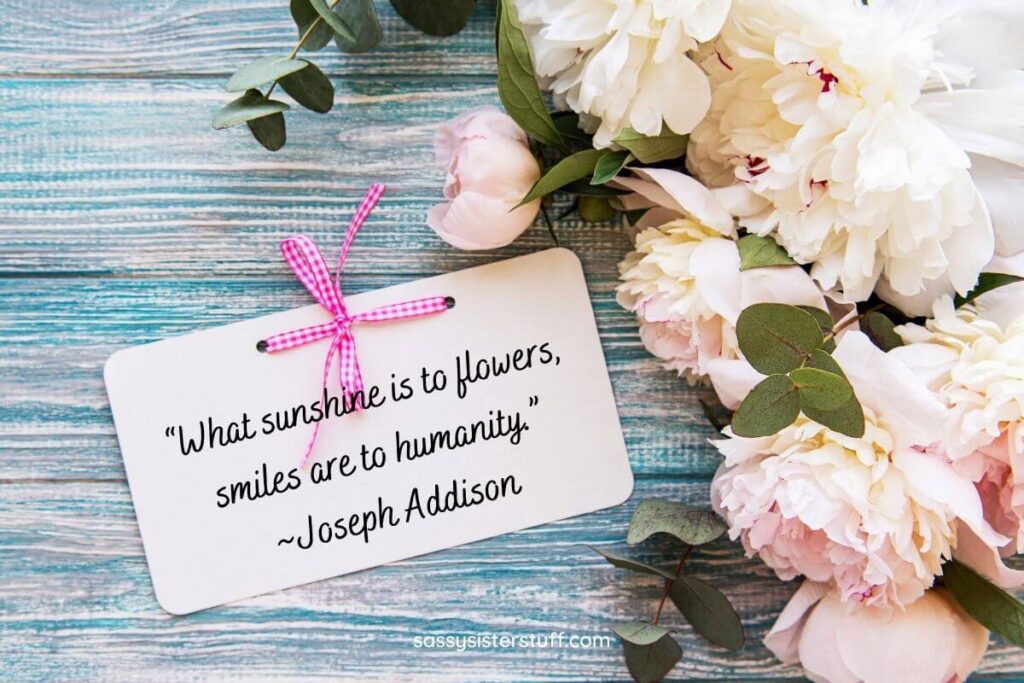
[
  {"x": 55, "y": 334},
  {"x": 126, "y": 177},
  {"x": 213, "y": 38}
]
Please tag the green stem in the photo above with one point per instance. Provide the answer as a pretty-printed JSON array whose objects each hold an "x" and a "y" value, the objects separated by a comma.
[{"x": 302, "y": 41}]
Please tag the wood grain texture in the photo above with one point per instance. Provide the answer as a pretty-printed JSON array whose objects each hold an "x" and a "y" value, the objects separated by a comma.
[{"x": 125, "y": 219}]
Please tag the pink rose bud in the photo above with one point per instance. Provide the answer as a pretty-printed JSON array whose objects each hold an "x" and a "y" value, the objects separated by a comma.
[{"x": 490, "y": 168}]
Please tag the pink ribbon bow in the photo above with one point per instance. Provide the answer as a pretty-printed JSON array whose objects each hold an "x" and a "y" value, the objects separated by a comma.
[{"x": 309, "y": 266}]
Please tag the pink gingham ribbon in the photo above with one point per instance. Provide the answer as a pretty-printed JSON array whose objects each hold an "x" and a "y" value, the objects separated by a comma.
[{"x": 309, "y": 266}]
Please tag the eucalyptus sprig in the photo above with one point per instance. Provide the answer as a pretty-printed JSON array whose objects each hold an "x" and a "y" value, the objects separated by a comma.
[
  {"x": 650, "y": 649},
  {"x": 354, "y": 27}
]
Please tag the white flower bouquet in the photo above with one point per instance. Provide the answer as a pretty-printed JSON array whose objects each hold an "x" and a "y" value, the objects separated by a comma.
[{"x": 820, "y": 193}]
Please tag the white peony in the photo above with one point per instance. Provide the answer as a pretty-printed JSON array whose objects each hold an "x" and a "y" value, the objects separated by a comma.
[
  {"x": 858, "y": 125},
  {"x": 874, "y": 516},
  {"x": 624, "y": 63},
  {"x": 683, "y": 280}
]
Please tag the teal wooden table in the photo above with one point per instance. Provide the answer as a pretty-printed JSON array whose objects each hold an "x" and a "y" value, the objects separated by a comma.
[{"x": 124, "y": 219}]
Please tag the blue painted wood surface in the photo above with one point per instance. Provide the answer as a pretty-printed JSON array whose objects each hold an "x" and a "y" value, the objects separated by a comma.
[{"x": 125, "y": 219}]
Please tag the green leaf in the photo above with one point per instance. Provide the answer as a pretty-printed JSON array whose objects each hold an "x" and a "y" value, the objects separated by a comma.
[
  {"x": 269, "y": 131},
  {"x": 986, "y": 283},
  {"x": 435, "y": 17},
  {"x": 568, "y": 125},
  {"x": 571, "y": 168},
  {"x": 651, "y": 149},
  {"x": 262, "y": 71},
  {"x": 517, "y": 81},
  {"x": 821, "y": 389},
  {"x": 826, "y": 323},
  {"x": 251, "y": 105},
  {"x": 583, "y": 188},
  {"x": 640, "y": 632},
  {"x": 846, "y": 419},
  {"x": 693, "y": 526},
  {"x": 985, "y": 602},
  {"x": 337, "y": 24},
  {"x": 609, "y": 166},
  {"x": 310, "y": 88},
  {"x": 770, "y": 407},
  {"x": 775, "y": 338},
  {"x": 880, "y": 330},
  {"x": 708, "y": 611},
  {"x": 595, "y": 209},
  {"x": 632, "y": 565},
  {"x": 303, "y": 15},
  {"x": 651, "y": 661},
  {"x": 757, "y": 251},
  {"x": 361, "y": 17},
  {"x": 823, "y": 361}
]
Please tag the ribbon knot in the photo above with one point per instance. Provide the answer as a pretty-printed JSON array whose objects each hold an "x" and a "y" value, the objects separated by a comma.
[{"x": 306, "y": 261}]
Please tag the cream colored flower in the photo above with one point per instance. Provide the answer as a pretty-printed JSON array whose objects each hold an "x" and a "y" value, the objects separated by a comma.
[
  {"x": 858, "y": 125},
  {"x": 624, "y": 63}
]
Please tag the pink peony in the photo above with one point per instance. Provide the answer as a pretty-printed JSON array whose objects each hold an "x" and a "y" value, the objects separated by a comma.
[
  {"x": 490, "y": 168},
  {"x": 874, "y": 516},
  {"x": 931, "y": 641}
]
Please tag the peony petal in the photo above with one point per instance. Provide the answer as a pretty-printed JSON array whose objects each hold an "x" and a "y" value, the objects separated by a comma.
[
  {"x": 888, "y": 645},
  {"x": 1002, "y": 185},
  {"x": 474, "y": 221},
  {"x": 936, "y": 479},
  {"x": 784, "y": 638},
  {"x": 658, "y": 97},
  {"x": 715, "y": 266},
  {"x": 780, "y": 284},
  {"x": 930, "y": 362},
  {"x": 682, "y": 193},
  {"x": 889, "y": 388},
  {"x": 983, "y": 558},
  {"x": 732, "y": 380},
  {"x": 819, "y": 644}
]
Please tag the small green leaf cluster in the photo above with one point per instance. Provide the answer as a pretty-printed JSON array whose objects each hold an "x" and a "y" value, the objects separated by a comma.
[
  {"x": 354, "y": 27},
  {"x": 649, "y": 648},
  {"x": 576, "y": 168},
  {"x": 792, "y": 345}
]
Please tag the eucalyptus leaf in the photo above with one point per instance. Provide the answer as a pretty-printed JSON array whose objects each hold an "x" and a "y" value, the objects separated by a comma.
[
  {"x": 269, "y": 131},
  {"x": 651, "y": 149},
  {"x": 632, "y": 565},
  {"x": 846, "y": 419},
  {"x": 337, "y": 24},
  {"x": 609, "y": 166},
  {"x": 251, "y": 105},
  {"x": 596, "y": 209},
  {"x": 361, "y": 17},
  {"x": 776, "y": 338},
  {"x": 435, "y": 17},
  {"x": 821, "y": 389},
  {"x": 826, "y": 323},
  {"x": 823, "y": 361},
  {"x": 640, "y": 632},
  {"x": 304, "y": 15},
  {"x": 693, "y": 526},
  {"x": 262, "y": 71},
  {"x": 770, "y": 407},
  {"x": 985, "y": 602},
  {"x": 758, "y": 251},
  {"x": 571, "y": 168},
  {"x": 652, "y": 662},
  {"x": 708, "y": 610},
  {"x": 517, "y": 80},
  {"x": 986, "y": 283},
  {"x": 880, "y": 330},
  {"x": 310, "y": 88}
]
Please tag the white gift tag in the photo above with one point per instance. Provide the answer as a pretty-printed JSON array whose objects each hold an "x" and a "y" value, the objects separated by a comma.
[{"x": 493, "y": 416}]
